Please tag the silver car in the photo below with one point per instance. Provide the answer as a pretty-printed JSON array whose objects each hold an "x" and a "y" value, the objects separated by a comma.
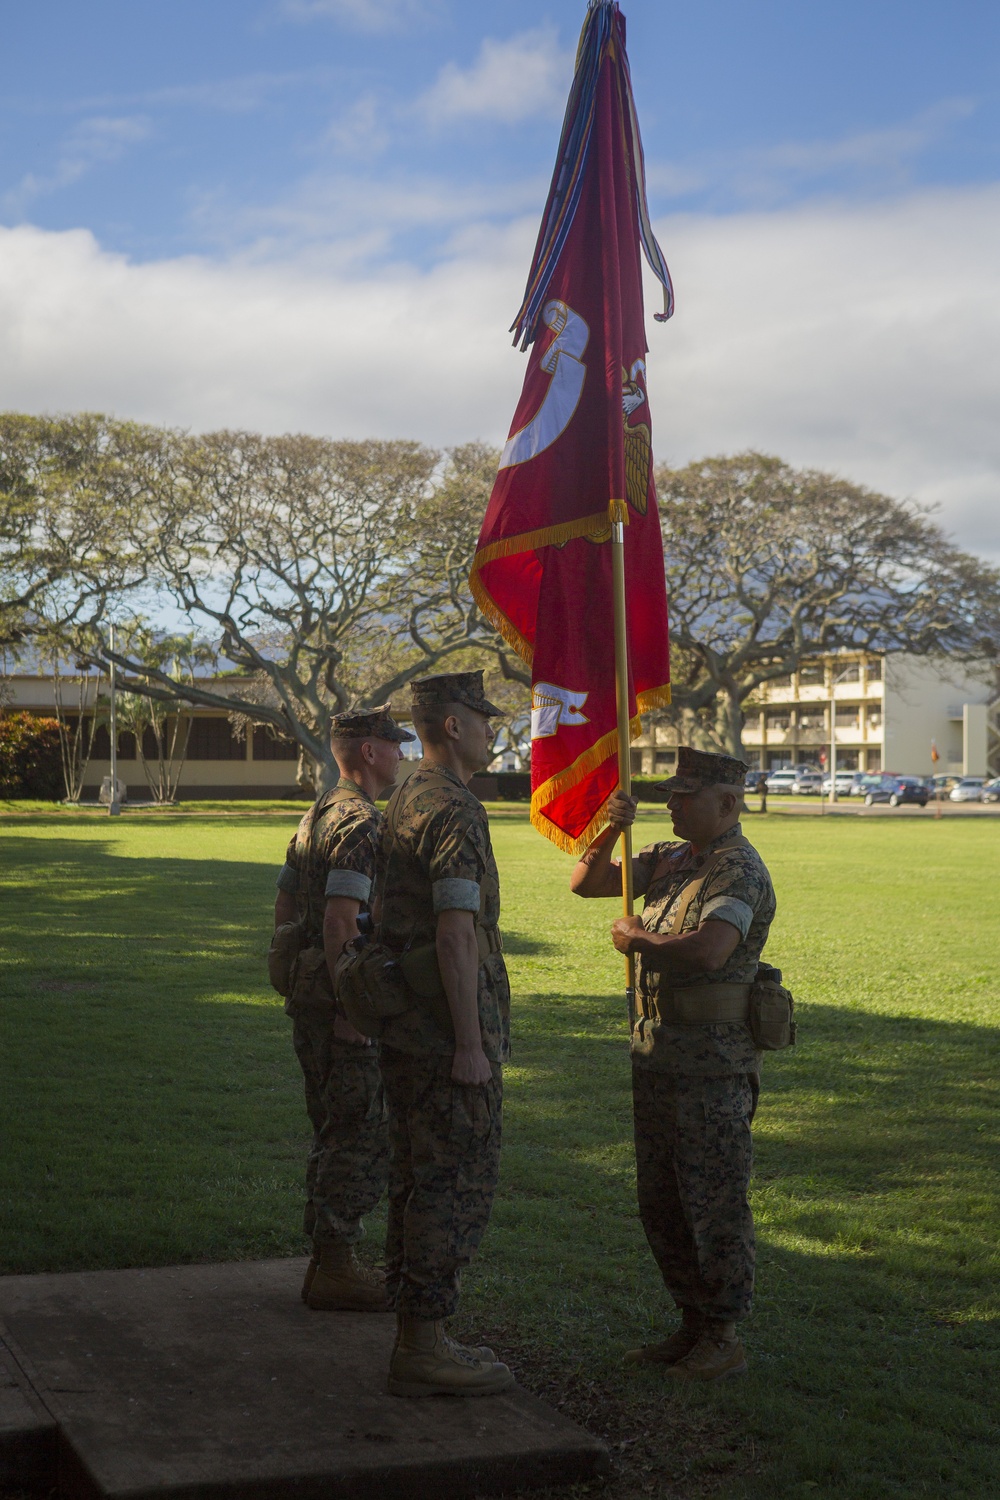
[{"x": 969, "y": 789}]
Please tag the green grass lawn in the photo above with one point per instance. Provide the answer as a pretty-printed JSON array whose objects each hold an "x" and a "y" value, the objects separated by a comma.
[{"x": 150, "y": 1112}]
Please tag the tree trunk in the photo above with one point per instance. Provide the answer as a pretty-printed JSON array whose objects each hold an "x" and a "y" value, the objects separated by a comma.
[
  {"x": 317, "y": 776},
  {"x": 729, "y": 720}
]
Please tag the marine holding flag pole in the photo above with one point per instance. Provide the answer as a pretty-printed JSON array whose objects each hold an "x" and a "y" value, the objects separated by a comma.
[{"x": 569, "y": 566}]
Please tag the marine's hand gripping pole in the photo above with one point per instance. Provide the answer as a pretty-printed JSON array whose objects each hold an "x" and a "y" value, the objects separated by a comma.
[{"x": 624, "y": 755}]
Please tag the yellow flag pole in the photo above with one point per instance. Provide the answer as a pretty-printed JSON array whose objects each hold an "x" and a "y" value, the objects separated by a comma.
[{"x": 624, "y": 754}]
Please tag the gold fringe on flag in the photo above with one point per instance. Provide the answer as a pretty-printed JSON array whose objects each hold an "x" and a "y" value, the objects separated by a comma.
[{"x": 602, "y": 750}]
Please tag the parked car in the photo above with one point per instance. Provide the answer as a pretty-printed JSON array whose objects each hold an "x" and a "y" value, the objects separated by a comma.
[
  {"x": 779, "y": 783},
  {"x": 808, "y": 782},
  {"x": 943, "y": 782},
  {"x": 969, "y": 789},
  {"x": 895, "y": 790},
  {"x": 991, "y": 790},
  {"x": 847, "y": 783},
  {"x": 753, "y": 781}
]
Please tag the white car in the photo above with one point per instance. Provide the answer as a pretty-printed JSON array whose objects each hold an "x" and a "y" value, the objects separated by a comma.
[
  {"x": 845, "y": 784},
  {"x": 969, "y": 789},
  {"x": 807, "y": 783},
  {"x": 781, "y": 783}
]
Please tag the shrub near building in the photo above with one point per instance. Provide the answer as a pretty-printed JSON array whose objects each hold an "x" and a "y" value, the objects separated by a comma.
[{"x": 30, "y": 760}]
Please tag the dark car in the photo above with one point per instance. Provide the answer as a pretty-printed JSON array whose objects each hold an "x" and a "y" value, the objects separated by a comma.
[
  {"x": 895, "y": 789},
  {"x": 991, "y": 791},
  {"x": 753, "y": 781}
]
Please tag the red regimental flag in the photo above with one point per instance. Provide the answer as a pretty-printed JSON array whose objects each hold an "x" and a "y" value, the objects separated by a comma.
[{"x": 579, "y": 456}]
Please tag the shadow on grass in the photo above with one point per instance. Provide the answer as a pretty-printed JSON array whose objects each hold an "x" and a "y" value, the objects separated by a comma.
[{"x": 147, "y": 1123}]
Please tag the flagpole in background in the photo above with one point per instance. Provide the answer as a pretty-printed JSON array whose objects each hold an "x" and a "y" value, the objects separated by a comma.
[{"x": 624, "y": 750}]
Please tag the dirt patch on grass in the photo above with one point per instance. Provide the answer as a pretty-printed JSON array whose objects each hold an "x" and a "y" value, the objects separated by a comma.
[{"x": 667, "y": 1444}]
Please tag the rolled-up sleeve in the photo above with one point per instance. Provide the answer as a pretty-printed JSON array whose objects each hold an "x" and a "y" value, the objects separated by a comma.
[
  {"x": 349, "y": 883},
  {"x": 455, "y": 895},
  {"x": 729, "y": 909},
  {"x": 288, "y": 879}
]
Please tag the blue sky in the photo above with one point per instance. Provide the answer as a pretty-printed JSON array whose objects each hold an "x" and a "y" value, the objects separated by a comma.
[
  {"x": 200, "y": 128},
  {"x": 317, "y": 214}
]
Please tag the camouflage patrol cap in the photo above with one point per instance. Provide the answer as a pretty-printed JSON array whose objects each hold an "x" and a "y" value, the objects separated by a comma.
[
  {"x": 697, "y": 769},
  {"x": 453, "y": 687},
  {"x": 373, "y": 724}
]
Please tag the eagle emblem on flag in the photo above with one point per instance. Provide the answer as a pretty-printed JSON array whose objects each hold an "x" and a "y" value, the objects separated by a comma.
[{"x": 638, "y": 440}]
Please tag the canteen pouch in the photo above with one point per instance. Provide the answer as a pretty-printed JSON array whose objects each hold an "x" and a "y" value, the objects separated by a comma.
[
  {"x": 281, "y": 955},
  {"x": 310, "y": 989},
  {"x": 370, "y": 991},
  {"x": 772, "y": 1011}
]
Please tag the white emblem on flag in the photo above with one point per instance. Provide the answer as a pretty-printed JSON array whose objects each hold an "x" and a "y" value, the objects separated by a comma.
[
  {"x": 552, "y": 707},
  {"x": 562, "y": 360}
]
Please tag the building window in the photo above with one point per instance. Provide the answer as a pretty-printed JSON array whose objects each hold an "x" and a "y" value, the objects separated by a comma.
[
  {"x": 778, "y": 762},
  {"x": 665, "y": 760},
  {"x": 847, "y": 718},
  {"x": 780, "y": 682},
  {"x": 874, "y": 669},
  {"x": 812, "y": 718},
  {"x": 874, "y": 760},
  {"x": 212, "y": 739},
  {"x": 778, "y": 720},
  {"x": 101, "y": 749},
  {"x": 811, "y": 673},
  {"x": 847, "y": 760},
  {"x": 874, "y": 718},
  {"x": 270, "y": 746},
  {"x": 850, "y": 672}
]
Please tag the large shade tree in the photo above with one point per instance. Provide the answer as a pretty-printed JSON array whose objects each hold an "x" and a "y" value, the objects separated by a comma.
[
  {"x": 329, "y": 574},
  {"x": 768, "y": 565}
]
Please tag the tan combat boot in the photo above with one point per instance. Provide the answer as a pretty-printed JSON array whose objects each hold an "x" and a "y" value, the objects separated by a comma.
[
  {"x": 425, "y": 1362},
  {"x": 342, "y": 1284},
  {"x": 482, "y": 1352},
  {"x": 671, "y": 1349},
  {"x": 718, "y": 1355}
]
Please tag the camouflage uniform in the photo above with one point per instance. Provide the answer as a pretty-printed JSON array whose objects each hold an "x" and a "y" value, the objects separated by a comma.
[
  {"x": 695, "y": 1087},
  {"x": 347, "y": 1163},
  {"x": 445, "y": 1136}
]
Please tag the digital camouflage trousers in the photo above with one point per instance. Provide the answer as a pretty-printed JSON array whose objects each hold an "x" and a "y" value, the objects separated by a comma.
[
  {"x": 445, "y": 1163},
  {"x": 693, "y": 1156},
  {"x": 348, "y": 1159}
]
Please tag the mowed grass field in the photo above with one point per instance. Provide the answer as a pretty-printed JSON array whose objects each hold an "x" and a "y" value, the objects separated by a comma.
[{"x": 150, "y": 1112}]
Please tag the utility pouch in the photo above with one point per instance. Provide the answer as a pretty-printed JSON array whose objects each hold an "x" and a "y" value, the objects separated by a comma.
[
  {"x": 281, "y": 955},
  {"x": 772, "y": 1011},
  {"x": 370, "y": 989},
  {"x": 310, "y": 990}
]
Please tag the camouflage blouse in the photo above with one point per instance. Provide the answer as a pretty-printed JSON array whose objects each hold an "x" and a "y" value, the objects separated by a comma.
[
  {"x": 739, "y": 891},
  {"x": 440, "y": 859},
  {"x": 341, "y": 861}
]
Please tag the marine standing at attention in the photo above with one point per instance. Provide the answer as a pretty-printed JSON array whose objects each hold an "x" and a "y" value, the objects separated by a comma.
[
  {"x": 695, "y": 1072},
  {"x": 325, "y": 883},
  {"x": 438, "y": 907}
]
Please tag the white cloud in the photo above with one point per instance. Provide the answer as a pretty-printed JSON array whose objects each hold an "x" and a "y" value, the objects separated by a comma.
[
  {"x": 360, "y": 131},
  {"x": 527, "y": 75},
  {"x": 91, "y": 143},
  {"x": 362, "y": 15},
  {"x": 863, "y": 339}
]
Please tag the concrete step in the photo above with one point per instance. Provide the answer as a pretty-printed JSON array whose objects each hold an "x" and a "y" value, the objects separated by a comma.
[
  {"x": 27, "y": 1430},
  {"x": 217, "y": 1383}
]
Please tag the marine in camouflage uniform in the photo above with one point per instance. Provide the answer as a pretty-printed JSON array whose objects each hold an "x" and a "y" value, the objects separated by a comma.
[
  {"x": 435, "y": 856},
  {"x": 333, "y": 853},
  {"x": 695, "y": 1085}
]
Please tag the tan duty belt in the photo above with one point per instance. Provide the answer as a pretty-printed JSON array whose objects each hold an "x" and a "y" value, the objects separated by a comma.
[{"x": 703, "y": 1004}]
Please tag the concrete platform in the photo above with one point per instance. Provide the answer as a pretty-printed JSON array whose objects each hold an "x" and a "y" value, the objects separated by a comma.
[
  {"x": 27, "y": 1431},
  {"x": 215, "y": 1382}
]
